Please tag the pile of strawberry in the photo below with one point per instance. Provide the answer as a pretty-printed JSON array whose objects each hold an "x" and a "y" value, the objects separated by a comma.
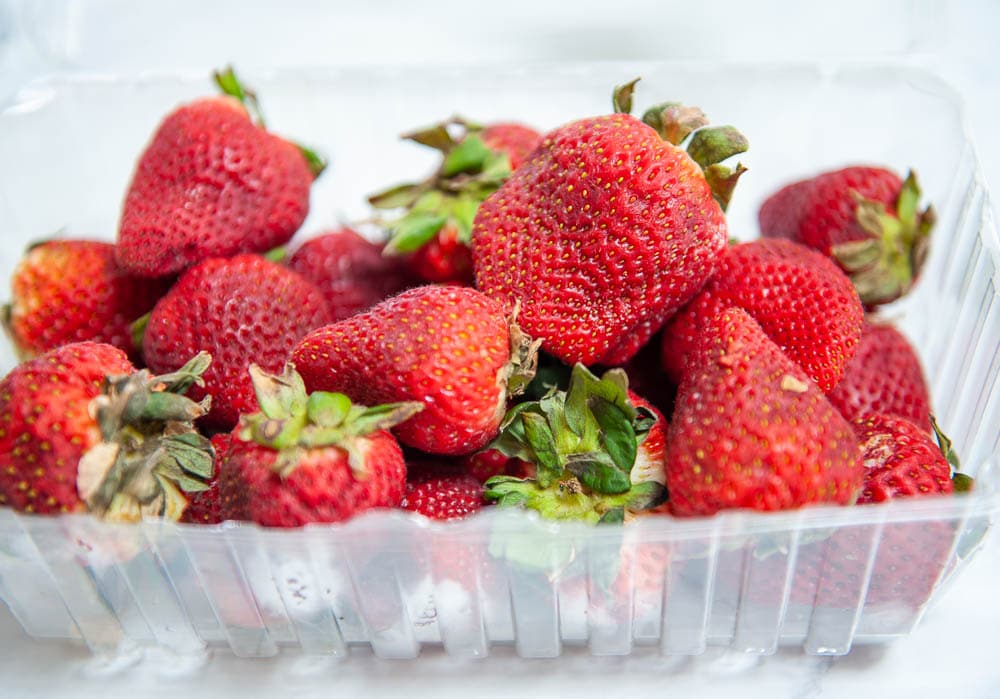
[{"x": 492, "y": 350}]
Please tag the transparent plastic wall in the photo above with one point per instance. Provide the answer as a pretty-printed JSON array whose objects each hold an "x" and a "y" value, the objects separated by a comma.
[{"x": 822, "y": 578}]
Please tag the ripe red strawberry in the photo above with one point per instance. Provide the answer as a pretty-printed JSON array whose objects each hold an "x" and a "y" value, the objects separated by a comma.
[
  {"x": 607, "y": 230},
  {"x": 900, "y": 459},
  {"x": 515, "y": 140},
  {"x": 311, "y": 459},
  {"x": 213, "y": 183},
  {"x": 437, "y": 223},
  {"x": 67, "y": 291},
  {"x": 598, "y": 451},
  {"x": 242, "y": 309},
  {"x": 751, "y": 430},
  {"x": 82, "y": 431},
  {"x": 352, "y": 272},
  {"x": 205, "y": 507},
  {"x": 450, "y": 347},
  {"x": 801, "y": 300},
  {"x": 487, "y": 463},
  {"x": 884, "y": 376},
  {"x": 864, "y": 218},
  {"x": 441, "y": 491}
]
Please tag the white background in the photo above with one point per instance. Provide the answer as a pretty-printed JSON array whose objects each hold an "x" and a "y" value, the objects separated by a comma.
[{"x": 953, "y": 651}]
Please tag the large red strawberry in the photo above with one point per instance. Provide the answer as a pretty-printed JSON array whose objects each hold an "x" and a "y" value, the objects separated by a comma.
[
  {"x": 865, "y": 218},
  {"x": 352, "y": 272},
  {"x": 205, "y": 506},
  {"x": 441, "y": 491},
  {"x": 884, "y": 376},
  {"x": 450, "y": 347},
  {"x": 213, "y": 183},
  {"x": 598, "y": 451},
  {"x": 82, "y": 431},
  {"x": 801, "y": 300},
  {"x": 67, "y": 291},
  {"x": 750, "y": 430},
  {"x": 437, "y": 223},
  {"x": 242, "y": 309},
  {"x": 311, "y": 458},
  {"x": 900, "y": 459},
  {"x": 607, "y": 229}
]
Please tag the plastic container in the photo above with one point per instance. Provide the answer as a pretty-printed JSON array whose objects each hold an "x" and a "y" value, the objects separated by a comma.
[{"x": 823, "y": 578}]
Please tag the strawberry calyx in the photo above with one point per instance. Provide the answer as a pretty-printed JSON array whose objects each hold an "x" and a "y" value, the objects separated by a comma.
[
  {"x": 292, "y": 421},
  {"x": 584, "y": 442},
  {"x": 960, "y": 482},
  {"x": 150, "y": 453},
  {"x": 230, "y": 85},
  {"x": 884, "y": 266},
  {"x": 707, "y": 146},
  {"x": 520, "y": 369},
  {"x": 468, "y": 173}
]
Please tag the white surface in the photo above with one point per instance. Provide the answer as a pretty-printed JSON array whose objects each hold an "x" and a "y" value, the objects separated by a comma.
[{"x": 952, "y": 651}]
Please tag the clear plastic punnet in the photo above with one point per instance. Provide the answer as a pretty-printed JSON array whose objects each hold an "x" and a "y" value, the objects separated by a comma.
[{"x": 822, "y": 578}]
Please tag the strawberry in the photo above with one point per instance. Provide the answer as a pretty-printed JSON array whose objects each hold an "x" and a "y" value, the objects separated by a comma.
[
  {"x": 900, "y": 459},
  {"x": 607, "y": 229},
  {"x": 311, "y": 458},
  {"x": 352, "y": 272},
  {"x": 864, "y": 218},
  {"x": 205, "y": 507},
  {"x": 441, "y": 491},
  {"x": 597, "y": 449},
  {"x": 801, "y": 300},
  {"x": 82, "y": 431},
  {"x": 487, "y": 463},
  {"x": 242, "y": 309},
  {"x": 884, "y": 376},
  {"x": 437, "y": 223},
  {"x": 751, "y": 430},
  {"x": 213, "y": 183},
  {"x": 450, "y": 347},
  {"x": 66, "y": 291}
]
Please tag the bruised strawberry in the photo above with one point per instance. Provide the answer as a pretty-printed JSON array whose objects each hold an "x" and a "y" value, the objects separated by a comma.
[
  {"x": 82, "y": 431},
  {"x": 242, "y": 309},
  {"x": 213, "y": 183},
  {"x": 435, "y": 229},
  {"x": 205, "y": 507},
  {"x": 900, "y": 459},
  {"x": 598, "y": 452},
  {"x": 315, "y": 458},
  {"x": 441, "y": 491},
  {"x": 450, "y": 347},
  {"x": 66, "y": 291},
  {"x": 750, "y": 430},
  {"x": 352, "y": 272},
  {"x": 607, "y": 229},
  {"x": 800, "y": 299},
  {"x": 864, "y": 218},
  {"x": 884, "y": 376}
]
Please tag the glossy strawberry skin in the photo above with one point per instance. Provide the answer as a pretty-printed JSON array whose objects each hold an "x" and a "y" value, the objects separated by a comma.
[
  {"x": 443, "y": 260},
  {"x": 516, "y": 140},
  {"x": 750, "y": 430},
  {"x": 205, "y": 507},
  {"x": 884, "y": 376},
  {"x": 442, "y": 345},
  {"x": 46, "y": 427},
  {"x": 441, "y": 491},
  {"x": 601, "y": 235},
  {"x": 352, "y": 272},
  {"x": 321, "y": 488},
  {"x": 820, "y": 212},
  {"x": 210, "y": 184},
  {"x": 900, "y": 459},
  {"x": 242, "y": 309},
  {"x": 803, "y": 302},
  {"x": 66, "y": 291}
]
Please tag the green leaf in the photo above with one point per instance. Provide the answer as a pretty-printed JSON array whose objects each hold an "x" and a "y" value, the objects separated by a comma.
[
  {"x": 463, "y": 212},
  {"x": 543, "y": 446},
  {"x": 192, "y": 453},
  {"x": 945, "y": 445},
  {"x": 328, "y": 409},
  {"x": 621, "y": 98},
  {"x": 137, "y": 330},
  {"x": 598, "y": 472},
  {"x": 279, "y": 396},
  {"x": 436, "y": 137},
  {"x": 316, "y": 162},
  {"x": 402, "y": 195},
  {"x": 673, "y": 121},
  {"x": 962, "y": 483},
  {"x": 415, "y": 230},
  {"x": 613, "y": 516},
  {"x": 383, "y": 417},
  {"x": 187, "y": 376},
  {"x": 468, "y": 156},
  {"x": 496, "y": 169},
  {"x": 617, "y": 434},
  {"x": 713, "y": 145},
  {"x": 230, "y": 85}
]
